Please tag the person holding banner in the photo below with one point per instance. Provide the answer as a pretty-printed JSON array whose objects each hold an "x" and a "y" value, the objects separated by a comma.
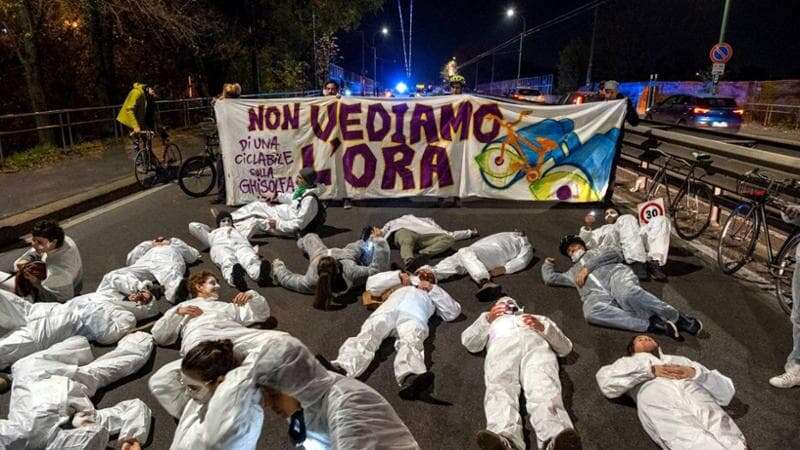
[
  {"x": 405, "y": 313},
  {"x": 610, "y": 92},
  {"x": 420, "y": 238},
  {"x": 231, "y": 252},
  {"x": 645, "y": 247},
  {"x": 296, "y": 211},
  {"x": 611, "y": 293},
  {"x": 791, "y": 377},
  {"x": 490, "y": 257},
  {"x": 332, "y": 271}
]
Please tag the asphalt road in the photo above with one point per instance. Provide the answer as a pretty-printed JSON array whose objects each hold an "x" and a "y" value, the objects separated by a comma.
[{"x": 747, "y": 338}]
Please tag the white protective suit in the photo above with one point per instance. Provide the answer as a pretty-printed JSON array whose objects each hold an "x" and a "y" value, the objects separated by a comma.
[
  {"x": 422, "y": 225},
  {"x": 793, "y": 361},
  {"x": 148, "y": 263},
  {"x": 228, "y": 247},
  {"x": 638, "y": 243},
  {"x": 220, "y": 320},
  {"x": 511, "y": 250},
  {"x": 611, "y": 296},
  {"x": 405, "y": 314},
  {"x": 519, "y": 357},
  {"x": 353, "y": 274},
  {"x": 64, "y": 272},
  {"x": 677, "y": 414},
  {"x": 340, "y": 413},
  {"x": 52, "y": 385},
  {"x": 36, "y": 326},
  {"x": 291, "y": 216}
]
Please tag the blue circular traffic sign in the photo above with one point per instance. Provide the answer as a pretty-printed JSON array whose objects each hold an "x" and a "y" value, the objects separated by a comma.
[{"x": 721, "y": 53}]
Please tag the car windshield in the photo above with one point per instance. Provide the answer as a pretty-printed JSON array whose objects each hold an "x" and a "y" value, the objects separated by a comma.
[
  {"x": 527, "y": 92},
  {"x": 716, "y": 102}
]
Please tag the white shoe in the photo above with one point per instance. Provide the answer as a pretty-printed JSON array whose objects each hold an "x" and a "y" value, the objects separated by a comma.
[
  {"x": 786, "y": 380},
  {"x": 347, "y": 203}
]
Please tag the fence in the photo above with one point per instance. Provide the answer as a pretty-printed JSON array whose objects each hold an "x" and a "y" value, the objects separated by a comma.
[
  {"x": 542, "y": 83},
  {"x": 355, "y": 83},
  {"x": 770, "y": 115},
  {"x": 69, "y": 127}
]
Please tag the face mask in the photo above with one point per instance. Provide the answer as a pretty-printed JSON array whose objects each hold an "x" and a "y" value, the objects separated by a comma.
[
  {"x": 576, "y": 255},
  {"x": 511, "y": 307},
  {"x": 81, "y": 419},
  {"x": 297, "y": 428},
  {"x": 611, "y": 216},
  {"x": 197, "y": 390}
]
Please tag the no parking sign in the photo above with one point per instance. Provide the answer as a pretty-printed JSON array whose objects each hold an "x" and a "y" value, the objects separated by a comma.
[{"x": 650, "y": 209}]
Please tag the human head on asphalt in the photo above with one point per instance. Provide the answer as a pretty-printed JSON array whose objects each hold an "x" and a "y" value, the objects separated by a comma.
[
  {"x": 572, "y": 246},
  {"x": 47, "y": 236},
  {"x": 643, "y": 344},
  {"x": 611, "y": 215},
  {"x": 224, "y": 219},
  {"x": 203, "y": 284},
  {"x": 204, "y": 367},
  {"x": 330, "y": 281}
]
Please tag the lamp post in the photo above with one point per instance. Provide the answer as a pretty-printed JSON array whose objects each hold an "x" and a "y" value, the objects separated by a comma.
[
  {"x": 510, "y": 12},
  {"x": 384, "y": 31}
]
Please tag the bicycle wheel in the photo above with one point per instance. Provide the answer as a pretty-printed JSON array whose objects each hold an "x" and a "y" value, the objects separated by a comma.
[
  {"x": 172, "y": 160},
  {"x": 197, "y": 176},
  {"x": 659, "y": 189},
  {"x": 784, "y": 271},
  {"x": 738, "y": 238},
  {"x": 144, "y": 170},
  {"x": 692, "y": 211}
]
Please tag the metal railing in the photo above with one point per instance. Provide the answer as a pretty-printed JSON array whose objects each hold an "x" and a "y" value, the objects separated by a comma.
[
  {"x": 69, "y": 127},
  {"x": 771, "y": 114}
]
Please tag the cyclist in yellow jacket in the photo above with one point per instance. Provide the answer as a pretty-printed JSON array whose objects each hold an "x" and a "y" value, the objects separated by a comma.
[{"x": 138, "y": 111}]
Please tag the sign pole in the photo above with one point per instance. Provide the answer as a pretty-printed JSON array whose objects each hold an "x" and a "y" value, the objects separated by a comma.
[{"x": 724, "y": 25}]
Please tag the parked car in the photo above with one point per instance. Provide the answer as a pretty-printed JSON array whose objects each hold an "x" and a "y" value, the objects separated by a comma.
[
  {"x": 698, "y": 112},
  {"x": 579, "y": 97},
  {"x": 526, "y": 95}
]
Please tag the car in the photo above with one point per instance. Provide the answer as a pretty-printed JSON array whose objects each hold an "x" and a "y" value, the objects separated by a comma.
[
  {"x": 579, "y": 97},
  {"x": 698, "y": 112},
  {"x": 526, "y": 95}
]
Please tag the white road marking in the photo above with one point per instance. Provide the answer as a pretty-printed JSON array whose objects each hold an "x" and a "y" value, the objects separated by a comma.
[{"x": 111, "y": 206}]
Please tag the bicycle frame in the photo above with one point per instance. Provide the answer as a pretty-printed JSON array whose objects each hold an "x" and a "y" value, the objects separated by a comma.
[{"x": 662, "y": 177}]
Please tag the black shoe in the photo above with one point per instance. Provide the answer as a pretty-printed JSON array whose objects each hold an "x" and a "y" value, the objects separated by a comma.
[
  {"x": 489, "y": 292},
  {"x": 5, "y": 383},
  {"x": 488, "y": 440},
  {"x": 157, "y": 291},
  {"x": 568, "y": 439},
  {"x": 416, "y": 386},
  {"x": 654, "y": 269},
  {"x": 640, "y": 269},
  {"x": 689, "y": 324},
  {"x": 238, "y": 273},
  {"x": 665, "y": 327},
  {"x": 265, "y": 273},
  {"x": 329, "y": 366},
  {"x": 416, "y": 262},
  {"x": 408, "y": 381}
]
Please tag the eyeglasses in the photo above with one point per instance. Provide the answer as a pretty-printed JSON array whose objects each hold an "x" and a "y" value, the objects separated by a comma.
[{"x": 190, "y": 387}]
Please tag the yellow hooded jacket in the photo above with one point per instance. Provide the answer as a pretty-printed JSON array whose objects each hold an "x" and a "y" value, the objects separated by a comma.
[{"x": 133, "y": 110}]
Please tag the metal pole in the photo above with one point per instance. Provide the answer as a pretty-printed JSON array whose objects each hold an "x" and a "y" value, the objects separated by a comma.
[
  {"x": 591, "y": 50},
  {"x": 375, "y": 69},
  {"x": 314, "y": 38},
  {"x": 724, "y": 25},
  {"x": 362, "y": 53},
  {"x": 519, "y": 57}
]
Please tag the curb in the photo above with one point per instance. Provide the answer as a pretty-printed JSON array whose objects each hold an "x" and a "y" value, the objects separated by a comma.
[{"x": 12, "y": 227}]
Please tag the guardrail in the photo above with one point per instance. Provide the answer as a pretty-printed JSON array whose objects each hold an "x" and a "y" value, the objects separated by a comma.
[
  {"x": 770, "y": 114},
  {"x": 75, "y": 125}
]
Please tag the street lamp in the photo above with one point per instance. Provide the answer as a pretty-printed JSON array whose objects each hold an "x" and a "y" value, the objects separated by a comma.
[
  {"x": 510, "y": 12},
  {"x": 385, "y": 32}
]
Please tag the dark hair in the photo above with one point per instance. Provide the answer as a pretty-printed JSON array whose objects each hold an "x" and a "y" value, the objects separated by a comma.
[
  {"x": 22, "y": 286},
  {"x": 49, "y": 230},
  {"x": 198, "y": 278},
  {"x": 326, "y": 269},
  {"x": 210, "y": 360},
  {"x": 568, "y": 240},
  {"x": 335, "y": 83},
  {"x": 631, "y": 349},
  {"x": 223, "y": 215}
]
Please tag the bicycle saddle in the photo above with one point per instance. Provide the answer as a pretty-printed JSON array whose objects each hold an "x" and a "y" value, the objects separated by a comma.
[{"x": 701, "y": 157}]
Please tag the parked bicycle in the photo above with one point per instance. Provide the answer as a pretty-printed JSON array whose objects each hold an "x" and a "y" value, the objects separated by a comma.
[
  {"x": 147, "y": 167},
  {"x": 198, "y": 174},
  {"x": 688, "y": 205},
  {"x": 742, "y": 230}
]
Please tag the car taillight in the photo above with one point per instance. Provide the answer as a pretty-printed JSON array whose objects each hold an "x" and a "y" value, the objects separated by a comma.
[
  {"x": 578, "y": 100},
  {"x": 738, "y": 111},
  {"x": 701, "y": 110}
]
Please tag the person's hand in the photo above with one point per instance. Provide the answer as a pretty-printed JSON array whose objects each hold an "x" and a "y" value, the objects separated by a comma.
[
  {"x": 550, "y": 260},
  {"x": 405, "y": 279},
  {"x": 425, "y": 285},
  {"x": 272, "y": 224},
  {"x": 133, "y": 444},
  {"x": 589, "y": 219},
  {"x": 474, "y": 232},
  {"x": 533, "y": 322},
  {"x": 674, "y": 371},
  {"x": 191, "y": 311},
  {"x": 376, "y": 232},
  {"x": 496, "y": 311},
  {"x": 580, "y": 277},
  {"x": 141, "y": 297},
  {"x": 497, "y": 271},
  {"x": 270, "y": 197},
  {"x": 242, "y": 298}
]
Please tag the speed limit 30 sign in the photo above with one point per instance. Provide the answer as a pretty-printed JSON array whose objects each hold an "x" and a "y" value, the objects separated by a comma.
[{"x": 650, "y": 209}]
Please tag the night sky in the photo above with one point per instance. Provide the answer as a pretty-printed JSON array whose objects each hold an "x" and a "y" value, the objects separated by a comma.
[{"x": 763, "y": 34}]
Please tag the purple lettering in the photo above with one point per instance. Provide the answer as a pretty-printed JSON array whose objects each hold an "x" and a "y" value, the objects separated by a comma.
[
  {"x": 370, "y": 162},
  {"x": 480, "y": 117},
  {"x": 323, "y": 134},
  {"x": 291, "y": 119},
  {"x": 273, "y": 117},
  {"x": 256, "y": 120},
  {"x": 435, "y": 162},
  {"x": 394, "y": 167},
  {"x": 345, "y": 122},
  {"x": 323, "y": 176},
  {"x": 399, "y": 112},
  {"x": 423, "y": 118},
  {"x": 456, "y": 122},
  {"x": 377, "y": 109}
]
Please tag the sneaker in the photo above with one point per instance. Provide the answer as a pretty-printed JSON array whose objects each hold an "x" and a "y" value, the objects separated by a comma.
[
  {"x": 347, "y": 203},
  {"x": 265, "y": 273},
  {"x": 331, "y": 366},
  {"x": 489, "y": 440},
  {"x": 157, "y": 291},
  {"x": 408, "y": 381},
  {"x": 689, "y": 324},
  {"x": 489, "y": 292},
  {"x": 5, "y": 383},
  {"x": 640, "y": 269},
  {"x": 237, "y": 274},
  {"x": 789, "y": 379},
  {"x": 665, "y": 327},
  {"x": 655, "y": 272},
  {"x": 568, "y": 439},
  {"x": 416, "y": 262}
]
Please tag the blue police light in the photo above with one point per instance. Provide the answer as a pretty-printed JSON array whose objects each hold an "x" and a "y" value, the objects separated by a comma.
[
  {"x": 348, "y": 92},
  {"x": 401, "y": 87}
]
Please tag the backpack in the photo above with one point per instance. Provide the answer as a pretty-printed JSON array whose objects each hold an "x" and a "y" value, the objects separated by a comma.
[{"x": 319, "y": 219}]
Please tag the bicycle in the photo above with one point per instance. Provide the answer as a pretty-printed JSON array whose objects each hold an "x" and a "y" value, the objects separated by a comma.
[
  {"x": 198, "y": 174},
  {"x": 690, "y": 208},
  {"x": 147, "y": 168},
  {"x": 742, "y": 230}
]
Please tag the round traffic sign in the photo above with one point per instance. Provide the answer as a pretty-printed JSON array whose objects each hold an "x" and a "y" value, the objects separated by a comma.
[
  {"x": 650, "y": 210},
  {"x": 721, "y": 53}
]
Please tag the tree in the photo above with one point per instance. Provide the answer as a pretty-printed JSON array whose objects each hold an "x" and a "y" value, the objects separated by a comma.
[{"x": 573, "y": 60}]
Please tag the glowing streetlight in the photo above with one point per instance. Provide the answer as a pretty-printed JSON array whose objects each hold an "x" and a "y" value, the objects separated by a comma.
[
  {"x": 385, "y": 31},
  {"x": 510, "y": 12}
]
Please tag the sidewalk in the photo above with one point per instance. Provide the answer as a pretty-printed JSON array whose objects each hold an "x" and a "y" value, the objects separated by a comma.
[{"x": 29, "y": 195}]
